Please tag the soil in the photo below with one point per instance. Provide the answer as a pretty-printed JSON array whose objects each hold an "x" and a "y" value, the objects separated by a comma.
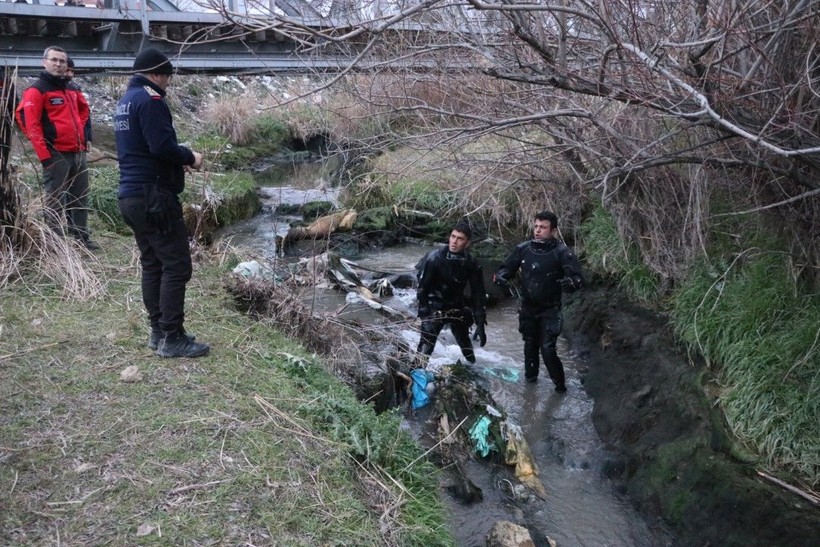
[{"x": 676, "y": 458}]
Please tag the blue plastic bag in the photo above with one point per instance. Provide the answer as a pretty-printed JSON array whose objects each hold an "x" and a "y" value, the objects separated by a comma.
[{"x": 420, "y": 378}]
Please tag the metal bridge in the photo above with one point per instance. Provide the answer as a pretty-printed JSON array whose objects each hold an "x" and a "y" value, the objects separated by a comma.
[{"x": 106, "y": 36}]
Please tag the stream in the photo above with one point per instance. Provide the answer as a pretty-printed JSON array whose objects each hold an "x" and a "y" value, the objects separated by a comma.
[{"x": 582, "y": 507}]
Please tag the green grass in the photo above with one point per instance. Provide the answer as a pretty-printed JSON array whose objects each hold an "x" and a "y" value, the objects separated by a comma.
[
  {"x": 761, "y": 328},
  {"x": 617, "y": 260},
  {"x": 102, "y": 197},
  {"x": 255, "y": 443},
  {"x": 752, "y": 321}
]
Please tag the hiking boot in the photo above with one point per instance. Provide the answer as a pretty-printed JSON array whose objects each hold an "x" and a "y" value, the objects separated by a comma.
[
  {"x": 531, "y": 379},
  {"x": 560, "y": 388},
  {"x": 156, "y": 336},
  {"x": 180, "y": 345},
  {"x": 85, "y": 241}
]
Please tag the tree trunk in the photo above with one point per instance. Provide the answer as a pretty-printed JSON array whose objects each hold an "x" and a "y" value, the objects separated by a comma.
[{"x": 9, "y": 200}]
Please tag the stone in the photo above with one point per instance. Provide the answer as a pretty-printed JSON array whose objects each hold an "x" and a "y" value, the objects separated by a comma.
[
  {"x": 131, "y": 374},
  {"x": 507, "y": 534}
]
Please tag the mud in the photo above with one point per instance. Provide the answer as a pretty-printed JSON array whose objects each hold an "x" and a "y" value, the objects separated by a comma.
[{"x": 675, "y": 458}]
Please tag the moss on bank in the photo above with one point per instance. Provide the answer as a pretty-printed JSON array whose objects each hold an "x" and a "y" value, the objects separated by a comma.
[{"x": 226, "y": 198}]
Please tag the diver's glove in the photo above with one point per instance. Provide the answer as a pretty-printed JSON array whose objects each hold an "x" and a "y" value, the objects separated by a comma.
[
  {"x": 569, "y": 284},
  {"x": 480, "y": 335}
]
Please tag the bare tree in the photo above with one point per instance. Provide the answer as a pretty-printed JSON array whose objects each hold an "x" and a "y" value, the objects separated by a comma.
[{"x": 649, "y": 104}]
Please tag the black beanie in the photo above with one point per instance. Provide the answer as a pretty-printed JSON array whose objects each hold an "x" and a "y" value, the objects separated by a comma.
[
  {"x": 153, "y": 61},
  {"x": 70, "y": 63}
]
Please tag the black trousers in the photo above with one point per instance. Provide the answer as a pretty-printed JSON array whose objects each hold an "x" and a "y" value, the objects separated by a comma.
[
  {"x": 459, "y": 322},
  {"x": 166, "y": 265},
  {"x": 540, "y": 329}
]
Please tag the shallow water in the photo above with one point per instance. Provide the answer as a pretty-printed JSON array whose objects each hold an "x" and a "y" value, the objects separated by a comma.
[{"x": 582, "y": 508}]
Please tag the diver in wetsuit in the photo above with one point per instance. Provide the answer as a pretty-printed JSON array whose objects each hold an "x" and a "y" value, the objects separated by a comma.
[
  {"x": 443, "y": 274},
  {"x": 547, "y": 268}
]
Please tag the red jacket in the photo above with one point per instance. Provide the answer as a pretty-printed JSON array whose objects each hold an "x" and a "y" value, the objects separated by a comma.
[{"x": 53, "y": 116}]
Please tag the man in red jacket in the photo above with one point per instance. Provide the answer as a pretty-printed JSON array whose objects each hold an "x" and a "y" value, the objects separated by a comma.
[{"x": 54, "y": 120}]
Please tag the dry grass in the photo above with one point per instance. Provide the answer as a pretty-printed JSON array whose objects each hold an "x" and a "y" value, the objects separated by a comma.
[
  {"x": 232, "y": 117},
  {"x": 276, "y": 301},
  {"x": 34, "y": 254}
]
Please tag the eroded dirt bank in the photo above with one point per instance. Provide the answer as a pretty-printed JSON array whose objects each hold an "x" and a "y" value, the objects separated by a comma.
[{"x": 676, "y": 462}]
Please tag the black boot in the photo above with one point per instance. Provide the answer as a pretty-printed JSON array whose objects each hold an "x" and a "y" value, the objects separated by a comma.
[
  {"x": 156, "y": 336},
  {"x": 531, "y": 372},
  {"x": 180, "y": 345},
  {"x": 88, "y": 243},
  {"x": 531, "y": 362}
]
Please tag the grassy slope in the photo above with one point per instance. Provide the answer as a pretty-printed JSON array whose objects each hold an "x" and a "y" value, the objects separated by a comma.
[
  {"x": 756, "y": 326},
  {"x": 239, "y": 446}
]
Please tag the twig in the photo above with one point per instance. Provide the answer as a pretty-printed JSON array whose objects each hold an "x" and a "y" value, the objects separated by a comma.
[
  {"x": 16, "y": 476},
  {"x": 772, "y": 205},
  {"x": 411, "y": 464},
  {"x": 72, "y": 502},
  {"x": 198, "y": 486},
  {"x": 793, "y": 489},
  {"x": 301, "y": 430},
  {"x": 29, "y": 350}
]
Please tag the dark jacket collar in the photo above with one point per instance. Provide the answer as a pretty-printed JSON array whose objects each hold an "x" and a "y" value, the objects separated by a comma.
[
  {"x": 56, "y": 81},
  {"x": 544, "y": 245},
  {"x": 138, "y": 80}
]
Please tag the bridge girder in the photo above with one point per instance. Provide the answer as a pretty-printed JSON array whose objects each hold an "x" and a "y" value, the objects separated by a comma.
[
  {"x": 107, "y": 39},
  {"x": 297, "y": 8}
]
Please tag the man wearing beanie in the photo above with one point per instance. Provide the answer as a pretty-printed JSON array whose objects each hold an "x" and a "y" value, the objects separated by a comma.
[
  {"x": 54, "y": 120},
  {"x": 152, "y": 175},
  {"x": 72, "y": 87}
]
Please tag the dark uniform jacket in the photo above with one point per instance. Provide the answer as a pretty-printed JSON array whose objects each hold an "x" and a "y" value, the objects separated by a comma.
[
  {"x": 147, "y": 146},
  {"x": 442, "y": 278},
  {"x": 52, "y": 117},
  {"x": 541, "y": 265}
]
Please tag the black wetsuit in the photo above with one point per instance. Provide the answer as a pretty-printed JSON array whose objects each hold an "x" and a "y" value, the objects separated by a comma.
[
  {"x": 442, "y": 278},
  {"x": 541, "y": 266}
]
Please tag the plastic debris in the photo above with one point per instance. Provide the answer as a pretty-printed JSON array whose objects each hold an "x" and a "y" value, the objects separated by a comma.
[
  {"x": 250, "y": 269},
  {"x": 421, "y": 378},
  {"x": 492, "y": 411},
  {"x": 518, "y": 453},
  {"x": 479, "y": 433},
  {"x": 510, "y": 375}
]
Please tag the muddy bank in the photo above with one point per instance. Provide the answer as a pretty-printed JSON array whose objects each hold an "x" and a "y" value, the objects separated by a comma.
[{"x": 676, "y": 457}]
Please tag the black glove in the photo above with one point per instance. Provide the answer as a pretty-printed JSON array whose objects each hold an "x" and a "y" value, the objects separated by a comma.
[
  {"x": 567, "y": 283},
  {"x": 480, "y": 335},
  {"x": 500, "y": 281},
  {"x": 159, "y": 210}
]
